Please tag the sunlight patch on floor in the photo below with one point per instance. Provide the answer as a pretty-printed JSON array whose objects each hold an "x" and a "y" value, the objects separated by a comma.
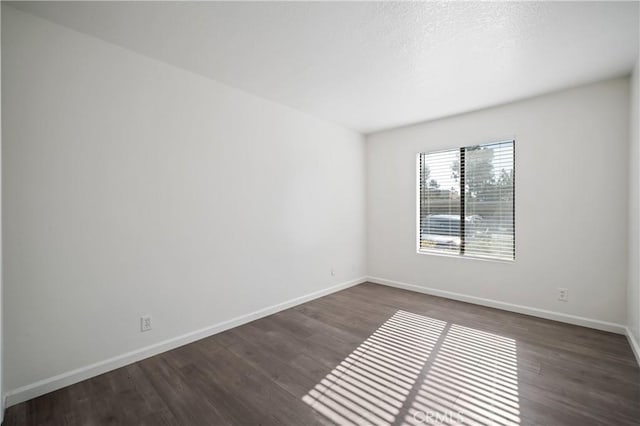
[
  {"x": 417, "y": 370},
  {"x": 372, "y": 384},
  {"x": 473, "y": 378}
]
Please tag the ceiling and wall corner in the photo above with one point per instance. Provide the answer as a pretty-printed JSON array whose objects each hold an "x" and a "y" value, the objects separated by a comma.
[{"x": 373, "y": 65}]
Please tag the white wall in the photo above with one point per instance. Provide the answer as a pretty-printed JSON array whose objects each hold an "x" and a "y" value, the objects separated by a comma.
[
  {"x": 633, "y": 297},
  {"x": 1, "y": 286},
  {"x": 132, "y": 187},
  {"x": 571, "y": 203}
]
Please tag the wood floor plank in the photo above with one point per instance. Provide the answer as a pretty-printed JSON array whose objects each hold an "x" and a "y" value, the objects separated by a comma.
[{"x": 350, "y": 358}]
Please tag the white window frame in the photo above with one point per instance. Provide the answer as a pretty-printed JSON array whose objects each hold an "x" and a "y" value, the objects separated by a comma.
[{"x": 462, "y": 254}]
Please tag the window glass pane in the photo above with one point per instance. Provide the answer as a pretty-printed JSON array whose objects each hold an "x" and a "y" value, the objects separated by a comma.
[
  {"x": 489, "y": 201},
  {"x": 440, "y": 201},
  {"x": 486, "y": 174}
]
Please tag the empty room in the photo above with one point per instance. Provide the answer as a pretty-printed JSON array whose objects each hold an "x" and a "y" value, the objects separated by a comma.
[{"x": 320, "y": 213}]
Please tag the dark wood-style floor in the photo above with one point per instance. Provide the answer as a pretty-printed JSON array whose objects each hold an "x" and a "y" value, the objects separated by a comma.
[{"x": 367, "y": 355}]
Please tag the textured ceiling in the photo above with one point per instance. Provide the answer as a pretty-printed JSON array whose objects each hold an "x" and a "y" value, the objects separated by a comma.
[{"x": 373, "y": 65}]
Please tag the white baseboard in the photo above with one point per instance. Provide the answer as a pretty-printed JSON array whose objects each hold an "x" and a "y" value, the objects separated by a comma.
[
  {"x": 634, "y": 344},
  {"x": 50, "y": 384},
  {"x": 527, "y": 310}
]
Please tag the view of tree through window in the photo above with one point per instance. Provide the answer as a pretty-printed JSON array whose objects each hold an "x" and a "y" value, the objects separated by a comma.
[{"x": 466, "y": 201}]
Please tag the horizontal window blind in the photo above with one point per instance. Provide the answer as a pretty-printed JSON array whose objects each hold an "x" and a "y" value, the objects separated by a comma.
[
  {"x": 466, "y": 201},
  {"x": 439, "y": 202}
]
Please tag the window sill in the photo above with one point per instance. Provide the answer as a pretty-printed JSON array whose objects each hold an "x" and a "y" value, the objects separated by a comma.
[{"x": 459, "y": 256}]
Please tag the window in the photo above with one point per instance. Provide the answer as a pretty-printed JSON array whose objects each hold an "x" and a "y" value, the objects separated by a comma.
[{"x": 466, "y": 201}]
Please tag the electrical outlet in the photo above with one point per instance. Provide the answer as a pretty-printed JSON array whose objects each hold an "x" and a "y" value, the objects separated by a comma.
[
  {"x": 563, "y": 294},
  {"x": 145, "y": 323}
]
